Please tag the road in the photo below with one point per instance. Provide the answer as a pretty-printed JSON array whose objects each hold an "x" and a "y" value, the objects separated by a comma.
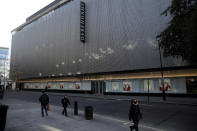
[{"x": 156, "y": 116}]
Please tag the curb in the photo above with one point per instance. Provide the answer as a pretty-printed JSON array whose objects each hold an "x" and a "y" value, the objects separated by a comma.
[
  {"x": 118, "y": 99},
  {"x": 161, "y": 102}
]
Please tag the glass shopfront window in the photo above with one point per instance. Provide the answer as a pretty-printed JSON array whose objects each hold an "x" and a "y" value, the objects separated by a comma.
[{"x": 191, "y": 84}]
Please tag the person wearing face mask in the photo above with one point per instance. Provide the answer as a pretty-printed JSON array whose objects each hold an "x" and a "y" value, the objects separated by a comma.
[
  {"x": 134, "y": 114},
  {"x": 65, "y": 102}
]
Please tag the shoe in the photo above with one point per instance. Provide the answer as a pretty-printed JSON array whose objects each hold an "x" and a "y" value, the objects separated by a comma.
[{"x": 46, "y": 114}]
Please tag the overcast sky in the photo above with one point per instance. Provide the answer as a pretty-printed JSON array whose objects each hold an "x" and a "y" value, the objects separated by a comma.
[{"x": 13, "y": 13}]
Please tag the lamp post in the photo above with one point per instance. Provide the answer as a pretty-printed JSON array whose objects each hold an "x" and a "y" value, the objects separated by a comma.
[
  {"x": 162, "y": 78},
  {"x": 4, "y": 76},
  {"x": 148, "y": 89}
]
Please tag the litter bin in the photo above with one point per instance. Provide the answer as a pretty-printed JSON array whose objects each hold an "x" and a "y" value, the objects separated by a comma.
[
  {"x": 88, "y": 112},
  {"x": 3, "y": 115}
]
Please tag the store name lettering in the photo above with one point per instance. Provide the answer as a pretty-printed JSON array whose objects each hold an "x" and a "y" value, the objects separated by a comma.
[{"x": 82, "y": 22}]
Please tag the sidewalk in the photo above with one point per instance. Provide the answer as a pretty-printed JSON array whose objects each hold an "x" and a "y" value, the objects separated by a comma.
[
  {"x": 144, "y": 99},
  {"x": 26, "y": 116}
]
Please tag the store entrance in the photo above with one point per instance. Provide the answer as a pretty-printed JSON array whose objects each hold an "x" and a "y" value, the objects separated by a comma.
[
  {"x": 98, "y": 87},
  {"x": 191, "y": 84}
]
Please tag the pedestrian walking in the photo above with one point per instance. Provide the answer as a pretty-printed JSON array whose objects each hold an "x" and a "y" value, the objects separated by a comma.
[
  {"x": 134, "y": 114},
  {"x": 46, "y": 88},
  {"x": 44, "y": 100},
  {"x": 65, "y": 102}
]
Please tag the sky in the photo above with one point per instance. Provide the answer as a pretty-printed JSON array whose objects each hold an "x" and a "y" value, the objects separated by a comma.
[{"x": 13, "y": 13}]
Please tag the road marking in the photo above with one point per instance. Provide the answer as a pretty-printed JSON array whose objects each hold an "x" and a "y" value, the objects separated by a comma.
[
  {"x": 91, "y": 99},
  {"x": 145, "y": 105},
  {"x": 125, "y": 123},
  {"x": 49, "y": 128},
  {"x": 109, "y": 118},
  {"x": 152, "y": 128},
  {"x": 126, "y": 128}
]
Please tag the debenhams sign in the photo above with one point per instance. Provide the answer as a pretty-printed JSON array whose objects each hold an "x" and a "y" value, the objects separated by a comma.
[{"x": 82, "y": 21}]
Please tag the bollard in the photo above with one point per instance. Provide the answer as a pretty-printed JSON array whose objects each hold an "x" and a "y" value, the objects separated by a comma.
[
  {"x": 3, "y": 115},
  {"x": 76, "y": 108},
  {"x": 88, "y": 112},
  {"x": 1, "y": 92}
]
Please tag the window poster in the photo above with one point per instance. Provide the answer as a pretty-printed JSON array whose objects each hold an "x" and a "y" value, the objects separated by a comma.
[
  {"x": 36, "y": 86},
  {"x": 115, "y": 86},
  {"x": 127, "y": 86},
  {"x": 49, "y": 85},
  {"x": 61, "y": 85},
  {"x": 77, "y": 85},
  {"x": 27, "y": 86},
  {"x": 167, "y": 85},
  {"x": 70, "y": 86}
]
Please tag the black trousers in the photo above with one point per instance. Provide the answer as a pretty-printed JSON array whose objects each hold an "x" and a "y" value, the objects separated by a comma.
[
  {"x": 64, "y": 110},
  {"x": 135, "y": 126}
]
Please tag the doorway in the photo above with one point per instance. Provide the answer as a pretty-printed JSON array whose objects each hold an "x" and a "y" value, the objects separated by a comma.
[{"x": 98, "y": 87}]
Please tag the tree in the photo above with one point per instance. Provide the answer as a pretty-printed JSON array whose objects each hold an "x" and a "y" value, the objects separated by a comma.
[{"x": 179, "y": 39}]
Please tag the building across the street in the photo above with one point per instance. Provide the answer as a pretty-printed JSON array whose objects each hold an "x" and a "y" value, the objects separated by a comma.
[
  {"x": 98, "y": 46},
  {"x": 4, "y": 65}
]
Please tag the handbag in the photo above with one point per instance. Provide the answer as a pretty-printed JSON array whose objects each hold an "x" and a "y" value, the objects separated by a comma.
[{"x": 48, "y": 107}]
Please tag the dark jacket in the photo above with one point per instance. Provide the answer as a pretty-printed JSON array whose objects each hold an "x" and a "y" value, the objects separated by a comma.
[
  {"x": 134, "y": 112},
  {"x": 65, "y": 102},
  {"x": 44, "y": 99}
]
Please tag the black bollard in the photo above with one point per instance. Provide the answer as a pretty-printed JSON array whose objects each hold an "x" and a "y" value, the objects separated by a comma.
[
  {"x": 76, "y": 108},
  {"x": 1, "y": 92}
]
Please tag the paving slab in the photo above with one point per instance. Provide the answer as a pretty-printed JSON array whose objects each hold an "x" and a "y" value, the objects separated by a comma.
[{"x": 26, "y": 116}]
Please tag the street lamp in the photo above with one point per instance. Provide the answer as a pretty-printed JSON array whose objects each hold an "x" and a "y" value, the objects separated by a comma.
[
  {"x": 4, "y": 75},
  {"x": 148, "y": 89},
  {"x": 162, "y": 78}
]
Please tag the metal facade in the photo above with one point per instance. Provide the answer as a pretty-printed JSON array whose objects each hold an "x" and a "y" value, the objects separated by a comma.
[{"x": 120, "y": 35}]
